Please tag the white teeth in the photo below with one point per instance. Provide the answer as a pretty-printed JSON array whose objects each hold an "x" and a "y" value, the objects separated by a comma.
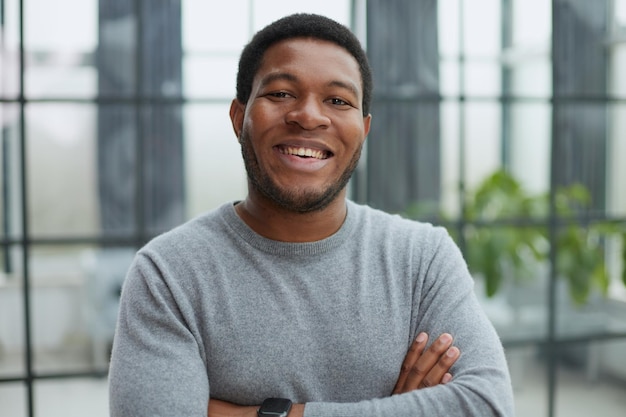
[{"x": 307, "y": 152}]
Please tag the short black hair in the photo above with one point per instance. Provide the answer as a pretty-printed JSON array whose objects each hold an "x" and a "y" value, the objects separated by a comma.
[{"x": 301, "y": 25}]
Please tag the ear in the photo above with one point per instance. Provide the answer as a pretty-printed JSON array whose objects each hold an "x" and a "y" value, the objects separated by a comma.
[
  {"x": 237, "y": 112},
  {"x": 367, "y": 121}
]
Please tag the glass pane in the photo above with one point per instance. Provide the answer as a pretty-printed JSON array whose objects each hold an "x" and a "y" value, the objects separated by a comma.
[
  {"x": 266, "y": 11},
  {"x": 617, "y": 81},
  {"x": 580, "y": 47},
  {"x": 60, "y": 342},
  {"x": 71, "y": 398},
  {"x": 104, "y": 270},
  {"x": 529, "y": 132},
  {"x": 208, "y": 26},
  {"x": 596, "y": 316},
  {"x": 163, "y": 167},
  {"x": 75, "y": 292},
  {"x": 482, "y": 28},
  {"x": 531, "y": 76},
  {"x": 620, "y": 12},
  {"x": 582, "y": 144},
  {"x": 51, "y": 27},
  {"x": 591, "y": 367},
  {"x": 616, "y": 168},
  {"x": 161, "y": 52},
  {"x": 528, "y": 57},
  {"x": 9, "y": 50},
  {"x": 531, "y": 26},
  {"x": 483, "y": 136},
  {"x": 482, "y": 78},
  {"x": 214, "y": 168},
  {"x": 62, "y": 169},
  {"x": 529, "y": 378},
  {"x": 448, "y": 28},
  {"x": 117, "y": 169},
  {"x": 116, "y": 53},
  {"x": 616, "y": 265},
  {"x": 59, "y": 75},
  {"x": 13, "y": 399},
  {"x": 10, "y": 172},
  {"x": 451, "y": 157},
  {"x": 221, "y": 82},
  {"x": 12, "y": 361},
  {"x": 59, "y": 48},
  {"x": 449, "y": 80}
]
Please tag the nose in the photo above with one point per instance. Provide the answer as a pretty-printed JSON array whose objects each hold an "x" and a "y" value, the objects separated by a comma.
[{"x": 308, "y": 113}]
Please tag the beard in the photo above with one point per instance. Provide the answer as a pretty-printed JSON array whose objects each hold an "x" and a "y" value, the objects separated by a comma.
[{"x": 295, "y": 199}]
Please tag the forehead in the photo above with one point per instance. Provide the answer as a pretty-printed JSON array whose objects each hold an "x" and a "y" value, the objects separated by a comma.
[{"x": 312, "y": 58}]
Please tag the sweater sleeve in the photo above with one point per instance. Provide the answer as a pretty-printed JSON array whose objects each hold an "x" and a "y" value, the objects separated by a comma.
[
  {"x": 156, "y": 368},
  {"x": 445, "y": 302}
]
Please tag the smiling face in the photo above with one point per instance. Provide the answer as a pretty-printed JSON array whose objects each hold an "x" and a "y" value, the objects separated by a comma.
[{"x": 302, "y": 130}]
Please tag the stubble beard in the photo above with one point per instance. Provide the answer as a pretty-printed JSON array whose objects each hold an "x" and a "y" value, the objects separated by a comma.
[{"x": 297, "y": 199}]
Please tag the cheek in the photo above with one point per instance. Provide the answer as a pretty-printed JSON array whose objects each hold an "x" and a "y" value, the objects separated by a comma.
[
  {"x": 352, "y": 129},
  {"x": 354, "y": 139},
  {"x": 259, "y": 116},
  {"x": 248, "y": 126},
  {"x": 257, "y": 131}
]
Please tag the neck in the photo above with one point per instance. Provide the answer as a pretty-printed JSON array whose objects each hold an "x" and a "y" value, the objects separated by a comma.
[{"x": 277, "y": 223}]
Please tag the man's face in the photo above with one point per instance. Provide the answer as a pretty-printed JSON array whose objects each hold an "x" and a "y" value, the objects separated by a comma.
[{"x": 302, "y": 130}]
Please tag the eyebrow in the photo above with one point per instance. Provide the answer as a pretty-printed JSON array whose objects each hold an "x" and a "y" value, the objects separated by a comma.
[
  {"x": 346, "y": 86},
  {"x": 278, "y": 76}
]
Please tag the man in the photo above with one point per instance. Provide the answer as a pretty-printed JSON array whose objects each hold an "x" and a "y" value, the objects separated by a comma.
[{"x": 296, "y": 292}]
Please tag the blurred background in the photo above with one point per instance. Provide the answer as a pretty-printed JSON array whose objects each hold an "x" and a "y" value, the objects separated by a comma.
[{"x": 502, "y": 120}]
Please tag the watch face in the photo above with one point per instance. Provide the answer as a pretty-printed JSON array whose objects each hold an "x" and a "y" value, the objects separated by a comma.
[{"x": 275, "y": 407}]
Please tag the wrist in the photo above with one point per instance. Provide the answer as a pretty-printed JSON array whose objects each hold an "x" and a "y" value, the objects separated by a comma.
[
  {"x": 275, "y": 407},
  {"x": 297, "y": 410}
]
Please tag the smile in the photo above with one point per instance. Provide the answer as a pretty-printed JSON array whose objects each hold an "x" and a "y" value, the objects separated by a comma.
[{"x": 304, "y": 152}]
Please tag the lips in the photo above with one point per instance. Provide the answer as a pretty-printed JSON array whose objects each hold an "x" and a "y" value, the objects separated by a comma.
[{"x": 304, "y": 152}]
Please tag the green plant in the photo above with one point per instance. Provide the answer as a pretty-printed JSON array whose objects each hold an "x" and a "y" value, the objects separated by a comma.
[
  {"x": 581, "y": 248},
  {"x": 506, "y": 236},
  {"x": 496, "y": 248}
]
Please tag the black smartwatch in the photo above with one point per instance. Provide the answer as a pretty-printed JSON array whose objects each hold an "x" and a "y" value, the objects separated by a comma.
[{"x": 274, "y": 407}]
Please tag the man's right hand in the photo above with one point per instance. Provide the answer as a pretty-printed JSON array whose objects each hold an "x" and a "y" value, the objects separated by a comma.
[{"x": 424, "y": 368}]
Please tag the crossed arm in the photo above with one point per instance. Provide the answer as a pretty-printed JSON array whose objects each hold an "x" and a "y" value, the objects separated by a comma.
[{"x": 421, "y": 368}]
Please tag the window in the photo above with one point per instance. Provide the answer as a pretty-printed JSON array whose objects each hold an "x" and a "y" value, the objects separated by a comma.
[{"x": 114, "y": 127}]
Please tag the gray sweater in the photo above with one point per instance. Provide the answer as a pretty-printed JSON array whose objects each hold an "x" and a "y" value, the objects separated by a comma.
[{"x": 212, "y": 309}]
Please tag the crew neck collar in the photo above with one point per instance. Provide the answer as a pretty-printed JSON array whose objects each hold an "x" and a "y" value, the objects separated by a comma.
[{"x": 262, "y": 243}]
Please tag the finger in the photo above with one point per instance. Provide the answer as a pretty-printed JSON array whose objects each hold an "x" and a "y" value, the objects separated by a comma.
[
  {"x": 436, "y": 375},
  {"x": 415, "y": 351},
  {"x": 447, "y": 377},
  {"x": 426, "y": 362}
]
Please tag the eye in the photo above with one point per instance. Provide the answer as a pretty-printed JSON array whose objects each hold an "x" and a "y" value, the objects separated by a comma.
[
  {"x": 339, "y": 102},
  {"x": 278, "y": 94}
]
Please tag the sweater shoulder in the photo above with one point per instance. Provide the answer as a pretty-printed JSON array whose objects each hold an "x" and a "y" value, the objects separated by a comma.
[
  {"x": 400, "y": 227},
  {"x": 203, "y": 231}
]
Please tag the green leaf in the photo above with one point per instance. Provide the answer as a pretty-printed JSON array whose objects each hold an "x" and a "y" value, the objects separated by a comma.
[
  {"x": 624, "y": 259},
  {"x": 579, "y": 285},
  {"x": 601, "y": 278},
  {"x": 493, "y": 279}
]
